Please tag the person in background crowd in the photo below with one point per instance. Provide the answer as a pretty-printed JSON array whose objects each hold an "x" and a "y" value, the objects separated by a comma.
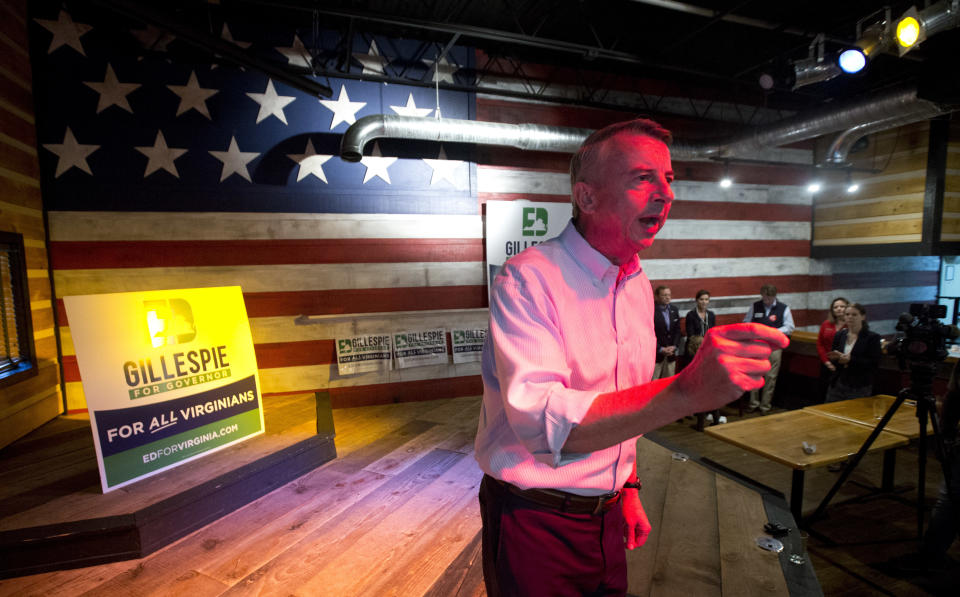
[
  {"x": 856, "y": 355},
  {"x": 666, "y": 325},
  {"x": 770, "y": 312},
  {"x": 828, "y": 329},
  {"x": 566, "y": 379},
  {"x": 698, "y": 321}
]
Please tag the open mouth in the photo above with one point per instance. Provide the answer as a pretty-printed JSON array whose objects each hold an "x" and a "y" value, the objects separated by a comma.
[{"x": 650, "y": 222}]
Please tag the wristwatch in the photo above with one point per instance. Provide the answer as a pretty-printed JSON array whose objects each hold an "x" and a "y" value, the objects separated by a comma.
[{"x": 633, "y": 484}]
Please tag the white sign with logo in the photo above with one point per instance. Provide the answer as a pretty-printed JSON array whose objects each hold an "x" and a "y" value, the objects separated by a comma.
[
  {"x": 420, "y": 347},
  {"x": 364, "y": 354},
  {"x": 513, "y": 226},
  {"x": 168, "y": 375},
  {"x": 467, "y": 344}
]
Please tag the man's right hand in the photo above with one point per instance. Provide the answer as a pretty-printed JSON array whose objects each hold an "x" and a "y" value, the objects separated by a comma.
[{"x": 732, "y": 360}]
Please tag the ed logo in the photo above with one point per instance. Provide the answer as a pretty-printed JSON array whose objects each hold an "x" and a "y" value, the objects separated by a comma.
[
  {"x": 345, "y": 346},
  {"x": 169, "y": 322},
  {"x": 534, "y": 221}
]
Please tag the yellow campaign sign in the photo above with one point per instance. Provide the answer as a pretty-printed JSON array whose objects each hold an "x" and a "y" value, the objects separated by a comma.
[{"x": 168, "y": 375}]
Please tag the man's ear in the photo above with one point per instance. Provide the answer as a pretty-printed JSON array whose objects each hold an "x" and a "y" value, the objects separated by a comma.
[{"x": 583, "y": 195}]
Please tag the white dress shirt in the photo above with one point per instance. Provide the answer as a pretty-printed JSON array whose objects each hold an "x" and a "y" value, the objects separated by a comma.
[{"x": 562, "y": 331}]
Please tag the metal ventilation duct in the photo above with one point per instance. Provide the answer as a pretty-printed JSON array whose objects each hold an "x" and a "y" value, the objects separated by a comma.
[
  {"x": 884, "y": 110},
  {"x": 522, "y": 136}
]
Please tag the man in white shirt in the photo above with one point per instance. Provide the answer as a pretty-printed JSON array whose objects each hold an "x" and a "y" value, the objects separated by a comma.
[
  {"x": 769, "y": 312},
  {"x": 566, "y": 371}
]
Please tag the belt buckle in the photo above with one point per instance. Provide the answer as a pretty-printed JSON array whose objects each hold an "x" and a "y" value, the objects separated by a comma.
[{"x": 603, "y": 500}]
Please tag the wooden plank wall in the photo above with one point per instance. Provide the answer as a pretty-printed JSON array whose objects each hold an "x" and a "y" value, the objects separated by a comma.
[
  {"x": 32, "y": 402},
  {"x": 888, "y": 208},
  {"x": 950, "y": 230}
]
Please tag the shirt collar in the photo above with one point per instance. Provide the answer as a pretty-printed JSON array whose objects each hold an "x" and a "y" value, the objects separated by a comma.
[{"x": 589, "y": 258}]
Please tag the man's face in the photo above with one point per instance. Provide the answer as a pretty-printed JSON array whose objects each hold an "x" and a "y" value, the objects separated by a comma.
[
  {"x": 663, "y": 297},
  {"x": 630, "y": 188},
  {"x": 767, "y": 299}
]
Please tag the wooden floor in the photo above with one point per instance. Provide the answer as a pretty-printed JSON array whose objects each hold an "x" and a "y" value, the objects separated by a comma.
[{"x": 396, "y": 514}]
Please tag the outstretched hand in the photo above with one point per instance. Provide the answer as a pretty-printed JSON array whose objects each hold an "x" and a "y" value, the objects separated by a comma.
[{"x": 732, "y": 360}]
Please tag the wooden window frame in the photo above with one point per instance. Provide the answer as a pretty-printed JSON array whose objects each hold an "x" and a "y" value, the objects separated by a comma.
[{"x": 26, "y": 366}]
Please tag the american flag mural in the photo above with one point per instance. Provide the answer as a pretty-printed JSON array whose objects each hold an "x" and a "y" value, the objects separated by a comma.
[{"x": 161, "y": 172}]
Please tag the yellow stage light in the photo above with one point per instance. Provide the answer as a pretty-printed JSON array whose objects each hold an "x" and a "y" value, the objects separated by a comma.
[{"x": 908, "y": 31}]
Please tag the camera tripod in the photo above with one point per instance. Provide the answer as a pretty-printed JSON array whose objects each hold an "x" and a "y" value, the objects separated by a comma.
[{"x": 921, "y": 392}]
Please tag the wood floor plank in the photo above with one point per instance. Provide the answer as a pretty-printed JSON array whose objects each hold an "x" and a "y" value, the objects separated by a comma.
[
  {"x": 304, "y": 560},
  {"x": 169, "y": 584},
  {"x": 687, "y": 560},
  {"x": 393, "y": 544},
  {"x": 457, "y": 578},
  {"x": 745, "y": 570},
  {"x": 653, "y": 466},
  {"x": 407, "y": 453}
]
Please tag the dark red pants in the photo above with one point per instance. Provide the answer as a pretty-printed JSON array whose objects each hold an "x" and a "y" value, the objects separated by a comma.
[{"x": 531, "y": 551}]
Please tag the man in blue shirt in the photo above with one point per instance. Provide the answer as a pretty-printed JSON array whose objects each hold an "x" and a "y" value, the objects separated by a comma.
[{"x": 770, "y": 312}]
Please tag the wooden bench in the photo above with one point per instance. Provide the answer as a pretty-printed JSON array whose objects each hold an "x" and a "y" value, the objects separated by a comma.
[{"x": 705, "y": 530}]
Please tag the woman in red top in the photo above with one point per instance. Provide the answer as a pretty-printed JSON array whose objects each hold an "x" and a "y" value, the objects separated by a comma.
[{"x": 828, "y": 329}]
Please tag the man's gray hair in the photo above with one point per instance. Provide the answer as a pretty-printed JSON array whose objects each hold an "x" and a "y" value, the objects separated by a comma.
[{"x": 585, "y": 158}]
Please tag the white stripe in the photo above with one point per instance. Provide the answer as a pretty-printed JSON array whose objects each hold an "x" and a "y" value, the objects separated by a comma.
[
  {"x": 330, "y": 327},
  {"x": 679, "y": 269},
  {"x": 270, "y": 330},
  {"x": 856, "y": 265},
  {"x": 865, "y": 220},
  {"x": 491, "y": 179},
  {"x": 688, "y": 190},
  {"x": 734, "y": 230},
  {"x": 148, "y": 226},
  {"x": 868, "y": 296},
  {"x": 868, "y": 240},
  {"x": 910, "y": 198},
  {"x": 272, "y": 278}
]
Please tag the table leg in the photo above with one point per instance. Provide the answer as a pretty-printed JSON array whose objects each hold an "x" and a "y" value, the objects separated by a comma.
[
  {"x": 889, "y": 468},
  {"x": 796, "y": 495}
]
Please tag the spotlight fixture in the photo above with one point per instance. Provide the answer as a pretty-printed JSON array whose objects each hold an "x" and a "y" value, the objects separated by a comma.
[
  {"x": 814, "y": 187},
  {"x": 852, "y": 61},
  {"x": 908, "y": 31}
]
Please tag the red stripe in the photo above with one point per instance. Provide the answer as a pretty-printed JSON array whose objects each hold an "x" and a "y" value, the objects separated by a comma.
[
  {"x": 801, "y": 317},
  {"x": 373, "y": 300},
  {"x": 122, "y": 254},
  {"x": 295, "y": 354},
  {"x": 406, "y": 391}
]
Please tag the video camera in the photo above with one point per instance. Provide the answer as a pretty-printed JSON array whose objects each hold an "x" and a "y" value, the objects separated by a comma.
[{"x": 921, "y": 337}]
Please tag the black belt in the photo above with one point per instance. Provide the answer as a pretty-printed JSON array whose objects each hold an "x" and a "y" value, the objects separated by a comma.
[{"x": 562, "y": 500}]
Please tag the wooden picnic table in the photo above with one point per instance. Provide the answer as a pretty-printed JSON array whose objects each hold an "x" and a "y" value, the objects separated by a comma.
[
  {"x": 780, "y": 438},
  {"x": 861, "y": 410}
]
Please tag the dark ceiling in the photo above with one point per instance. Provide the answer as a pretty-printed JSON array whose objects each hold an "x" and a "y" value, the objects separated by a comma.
[{"x": 708, "y": 46}]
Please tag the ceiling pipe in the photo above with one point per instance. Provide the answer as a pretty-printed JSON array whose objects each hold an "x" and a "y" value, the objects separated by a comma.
[
  {"x": 533, "y": 137},
  {"x": 842, "y": 144},
  {"x": 895, "y": 107}
]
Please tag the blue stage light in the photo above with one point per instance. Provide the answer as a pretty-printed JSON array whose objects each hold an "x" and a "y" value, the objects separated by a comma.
[{"x": 852, "y": 61}]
